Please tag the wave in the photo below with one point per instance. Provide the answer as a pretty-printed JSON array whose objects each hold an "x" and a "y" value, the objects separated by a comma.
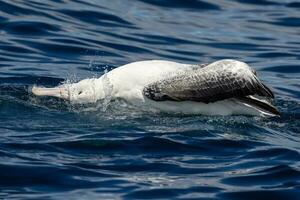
[{"x": 50, "y": 149}]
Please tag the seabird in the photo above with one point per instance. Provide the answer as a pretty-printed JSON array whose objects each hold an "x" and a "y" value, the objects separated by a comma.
[{"x": 225, "y": 87}]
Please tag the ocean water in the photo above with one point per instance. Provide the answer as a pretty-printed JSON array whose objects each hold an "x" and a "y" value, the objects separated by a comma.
[{"x": 50, "y": 149}]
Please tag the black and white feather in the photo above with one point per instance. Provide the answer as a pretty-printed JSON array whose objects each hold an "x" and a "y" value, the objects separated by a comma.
[
  {"x": 225, "y": 87},
  {"x": 215, "y": 82}
]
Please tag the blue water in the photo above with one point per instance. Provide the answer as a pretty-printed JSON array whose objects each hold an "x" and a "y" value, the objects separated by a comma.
[{"x": 52, "y": 150}]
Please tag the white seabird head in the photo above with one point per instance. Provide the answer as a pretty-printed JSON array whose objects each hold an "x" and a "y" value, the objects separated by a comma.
[{"x": 85, "y": 91}]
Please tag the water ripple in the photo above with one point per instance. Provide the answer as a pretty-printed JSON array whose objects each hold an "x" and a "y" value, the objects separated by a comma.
[{"x": 50, "y": 149}]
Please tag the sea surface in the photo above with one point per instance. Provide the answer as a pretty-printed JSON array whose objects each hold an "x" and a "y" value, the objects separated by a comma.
[{"x": 50, "y": 149}]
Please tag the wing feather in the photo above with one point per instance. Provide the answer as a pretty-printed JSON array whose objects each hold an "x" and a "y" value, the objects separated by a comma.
[{"x": 217, "y": 81}]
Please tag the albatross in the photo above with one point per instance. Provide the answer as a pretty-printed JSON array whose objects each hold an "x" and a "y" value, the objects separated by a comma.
[{"x": 224, "y": 87}]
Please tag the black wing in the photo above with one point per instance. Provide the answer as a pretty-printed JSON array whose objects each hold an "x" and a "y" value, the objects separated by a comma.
[{"x": 218, "y": 81}]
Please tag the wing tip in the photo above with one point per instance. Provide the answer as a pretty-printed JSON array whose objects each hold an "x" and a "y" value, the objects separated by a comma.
[
  {"x": 260, "y": 104},
  {"x": 262, "y": 89},
  {"x": 268, "y": 91}
]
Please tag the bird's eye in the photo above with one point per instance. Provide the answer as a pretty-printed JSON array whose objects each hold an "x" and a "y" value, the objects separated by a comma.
[{"x": 80, "y": 92}]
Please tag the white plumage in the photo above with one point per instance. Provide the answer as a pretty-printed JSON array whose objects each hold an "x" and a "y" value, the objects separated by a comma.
[{"x": 128, "y": 82}]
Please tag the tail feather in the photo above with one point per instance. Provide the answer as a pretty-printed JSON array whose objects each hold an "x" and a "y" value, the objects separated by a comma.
[{"x": 260, "y": 104}]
